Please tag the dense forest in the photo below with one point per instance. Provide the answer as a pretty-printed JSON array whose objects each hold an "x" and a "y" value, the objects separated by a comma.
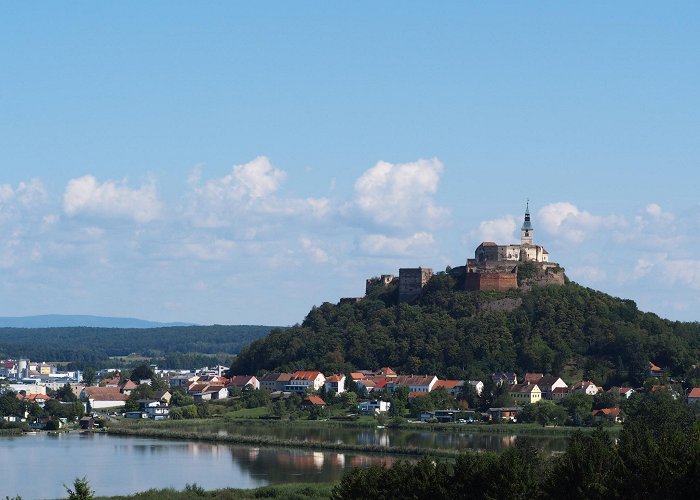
[
  {"x": 568, "y": 330},
  {"x": 176, "y": 347}
]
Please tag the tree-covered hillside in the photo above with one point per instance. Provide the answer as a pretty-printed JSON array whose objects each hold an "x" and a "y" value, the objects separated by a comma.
[
  {"x": 458, "y": 334},
  {"x": 90, "y": 346}
]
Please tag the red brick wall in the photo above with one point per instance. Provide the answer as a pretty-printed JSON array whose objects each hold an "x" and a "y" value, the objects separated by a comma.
[{"x": 491, "y": 281}]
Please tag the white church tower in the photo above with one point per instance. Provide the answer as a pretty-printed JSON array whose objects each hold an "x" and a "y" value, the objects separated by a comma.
[{"x": 526, "y": 232}]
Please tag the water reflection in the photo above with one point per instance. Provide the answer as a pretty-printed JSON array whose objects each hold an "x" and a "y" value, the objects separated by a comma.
[
  {"x": 151, "y": 463},
  {"x": 279, "y": 465},
  {"x": 419, "y": 438}
]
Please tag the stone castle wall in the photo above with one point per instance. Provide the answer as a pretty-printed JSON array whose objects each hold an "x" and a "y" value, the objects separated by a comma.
[{"x": 499, "y": 282}]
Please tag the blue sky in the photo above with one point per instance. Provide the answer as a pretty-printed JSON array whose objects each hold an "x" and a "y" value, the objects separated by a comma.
[{"x": 239, "y": 163}]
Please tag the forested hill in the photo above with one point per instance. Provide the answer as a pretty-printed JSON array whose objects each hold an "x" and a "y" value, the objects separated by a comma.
[
  {"x": 565, "y": 329},
  {"x": 91, "y": 346}
]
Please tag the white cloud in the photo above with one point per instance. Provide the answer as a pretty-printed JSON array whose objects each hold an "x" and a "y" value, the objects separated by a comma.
[
  {"x": 218, "y": 249},
  {"x": 588, "y": 274},
  {"x": 314, "y": 250},
  {"x": 379, "y": 244},
  {"x": 497, "y": 230},
  {"x": 25, "y": 197},
  {"x": 401, "y": 195},
  {"x": 564, "y": 219},
  {"x": 248, "y": 189},
  {"x": 111, "y": 199},
  {"x": 685, "y": 272}
]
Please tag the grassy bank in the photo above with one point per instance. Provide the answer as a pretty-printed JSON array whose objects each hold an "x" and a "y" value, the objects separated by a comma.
[
  {"x": 533, "y": 430},
  {"x": 296, "y": 491},
  {"x": 160, "y": 433},
  {"x": 12, "y": 431}
]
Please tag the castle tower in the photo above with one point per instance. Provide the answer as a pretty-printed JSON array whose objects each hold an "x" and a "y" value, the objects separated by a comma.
[{"x": 526, "y": 231}]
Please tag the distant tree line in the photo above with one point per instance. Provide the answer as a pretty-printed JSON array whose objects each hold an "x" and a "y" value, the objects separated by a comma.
[
  {"x": 459, "y": 334},
  {"x": 177, "y": 347}
]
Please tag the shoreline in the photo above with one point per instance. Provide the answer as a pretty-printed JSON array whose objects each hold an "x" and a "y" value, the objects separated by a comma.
[{"x": 238, "y": 439}]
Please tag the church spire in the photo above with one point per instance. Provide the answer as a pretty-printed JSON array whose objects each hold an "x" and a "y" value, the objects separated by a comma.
[{"x": 526, "y": 231}]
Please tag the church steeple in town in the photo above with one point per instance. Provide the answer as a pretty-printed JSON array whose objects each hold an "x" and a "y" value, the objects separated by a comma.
[{"x": 526, "y": 232}]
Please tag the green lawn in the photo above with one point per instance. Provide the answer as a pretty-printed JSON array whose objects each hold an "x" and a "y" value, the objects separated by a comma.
[{"x": 248, "y": 413}]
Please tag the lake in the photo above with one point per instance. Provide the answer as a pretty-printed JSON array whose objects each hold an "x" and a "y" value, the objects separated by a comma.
[
  {"x": 462, "y": 438},
  {"x": 37, "y": 466}
]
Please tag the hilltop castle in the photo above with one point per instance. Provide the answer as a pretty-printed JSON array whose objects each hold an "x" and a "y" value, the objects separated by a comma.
[{"x": 494, "y": 267}]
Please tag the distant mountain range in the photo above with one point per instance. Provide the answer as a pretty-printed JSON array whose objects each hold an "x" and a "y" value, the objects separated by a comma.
[{"x": 67, "y": 320}]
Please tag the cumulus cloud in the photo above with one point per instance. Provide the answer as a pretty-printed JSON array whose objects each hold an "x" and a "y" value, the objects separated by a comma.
[
  {"x": 401, "y": 195},
  {"x": 86, "y": 195},
  {"x": 22, "y": 198},
  {"x": 313, "y": 249},
  {"x": 564, "y": 219},
  {"x": 379, "y": 244},
  {"x": 672, "y": 271},
  {"x": 249, "y": 188},
  {"x": 497, "y": 230}
]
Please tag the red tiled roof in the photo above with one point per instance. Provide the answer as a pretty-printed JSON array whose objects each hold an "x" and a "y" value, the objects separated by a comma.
[
  {"x": 694, "y": 392},
  {"x": 335, "y": 378},
  {"x": 654, "y": 368},
  {"x": 305, "y": 375},
  {"x": 610, "y": 412},
  {"x": 357, "y": 375},
  {"x": 315, "y": 400},
  {"x": 128, "y": 385}
]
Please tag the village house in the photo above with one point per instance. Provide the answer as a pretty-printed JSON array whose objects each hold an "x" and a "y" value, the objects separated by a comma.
[
  {"x": 532, "y": 378},
  {"x": 453, "y": 387},
  {"x": 625, "y": 392},
  {"x": 374, "y": 407},
  {"x": 608, "y": 414},
  {"x": 104, "y": 397},
  {"x": 335, "y": 383},
  {"x": 302, "y": 380},
  {"x": 127, "y": 386},
  {"x": 243, "y": 381},
  {"x": 549, "y": 383},
  {"x": 274, "y": 381},
  {"x": 694, "y": 395},
  {"x": 478, "y": 386},
  {"x": 154, "y": 408},
  {"x": 586, "y": 387},
  {"x": 655, "y": 371},
  {"x": 559, "y": 393},
  {"x": 415, "y": 383},
  {"x": 504, "y": 414},
  {"x": 525, "y": 393},
  {"x": 500, "y": 378},
  {"x": 204, "y": 391},
  {"x": 312, "y": 402},
  {"x": 182, "y": 380}
]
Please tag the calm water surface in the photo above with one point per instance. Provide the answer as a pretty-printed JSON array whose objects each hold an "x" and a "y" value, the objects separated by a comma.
[
  {"x": 462, "y": 439},
  {"x": 36, "y": 466}
]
